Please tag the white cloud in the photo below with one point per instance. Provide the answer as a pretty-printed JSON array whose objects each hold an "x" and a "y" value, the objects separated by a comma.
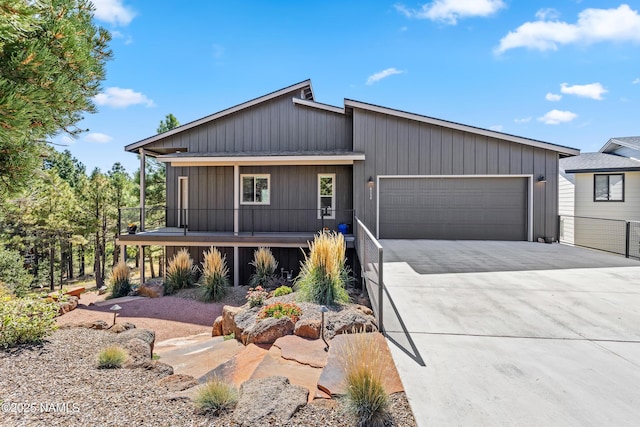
[
  {"x": 555, "y": 117},
  {"x": 636, "y": 81},
  {"x": 522, "y": 120},
  {"x": 549, "y": 13},
  {"x": 497, "y": 128},
  {"x": 553, "y": 97},
  {"x": 449, "y": 11},
  {"x": 592, "y": 90},
  {"x": 98, "y": 137},
  {"x": 113, "y": 12},
  {"x": 382, "y": 75},
  {"x": 120, "y": 98},
  {"x": 593, "y": 25}
]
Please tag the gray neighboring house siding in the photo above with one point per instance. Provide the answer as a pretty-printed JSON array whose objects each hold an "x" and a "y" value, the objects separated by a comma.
[{"x": 400, "y": 146}]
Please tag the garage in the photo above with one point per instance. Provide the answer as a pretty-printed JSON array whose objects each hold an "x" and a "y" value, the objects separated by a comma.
[{"x": 454, "y": 208}]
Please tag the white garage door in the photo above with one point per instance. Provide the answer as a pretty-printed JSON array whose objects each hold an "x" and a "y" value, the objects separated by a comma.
[{"x": 453, "y": 208}]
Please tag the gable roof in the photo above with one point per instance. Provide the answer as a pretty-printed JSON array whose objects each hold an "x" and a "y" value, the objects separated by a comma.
[
  {"x": 598, "y": 162},
  {"x": 465, "y": 128},
  {"x": 626, "y": 141},
  {"x": 304, "y": 85}
]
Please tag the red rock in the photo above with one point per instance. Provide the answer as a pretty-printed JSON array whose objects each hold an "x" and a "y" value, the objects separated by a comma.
[
  {"x": 216, "y": 331},
  {"x": 228, "y": 323},
  {"x": 308, "y": 328},
  {"x": 302, "y": 350},
  {"x": 266, "y": 331}
]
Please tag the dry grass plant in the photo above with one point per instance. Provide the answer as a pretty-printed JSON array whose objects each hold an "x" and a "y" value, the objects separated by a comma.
[
  {"x": 364, "y": 365},
  {"x": 214, "y": 281},
  {"x": 112, "y": 357},
  {"x": 324, "y": 273},
  {"x": 181, "y": 272},
  {"x": 119, "y": 282},
  {"x": 265, "y": 264},
  {"x": 216, "y": 396}
]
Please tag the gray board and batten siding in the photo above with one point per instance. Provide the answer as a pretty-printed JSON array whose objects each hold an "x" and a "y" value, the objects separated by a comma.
[
  {"x": 274, "y": 126},
  {"x": 293, "y": 198},
  {"x": 400, "y": 146}
]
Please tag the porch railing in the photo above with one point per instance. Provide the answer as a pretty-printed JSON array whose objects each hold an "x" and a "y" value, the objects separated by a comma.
[
  {"x": 620, "y": 237},
  {"x": 250, "y": 220},
  {"x": 371, "y": 256}
]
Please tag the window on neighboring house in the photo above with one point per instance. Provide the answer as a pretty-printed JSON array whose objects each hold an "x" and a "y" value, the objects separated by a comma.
[
  {"x": 255, "y": 189},
  {"x": 327, "y": 195},
  {"x": 608, "y": 188}
]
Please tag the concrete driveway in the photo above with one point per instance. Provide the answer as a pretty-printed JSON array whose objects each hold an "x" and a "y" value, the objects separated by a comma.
[{"x": 514, "y": 333}]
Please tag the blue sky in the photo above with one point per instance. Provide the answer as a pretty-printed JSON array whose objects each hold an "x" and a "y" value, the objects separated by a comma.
[{"x": 562, "y": 71}]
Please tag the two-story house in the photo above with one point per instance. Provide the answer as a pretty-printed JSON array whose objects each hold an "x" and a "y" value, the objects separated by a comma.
[{"x": 274, "y": 170}]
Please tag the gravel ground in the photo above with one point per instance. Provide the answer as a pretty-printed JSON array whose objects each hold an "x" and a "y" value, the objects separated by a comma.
[
  {"x": 62, "y": 372},
  {"x": 170, "y": 317}
]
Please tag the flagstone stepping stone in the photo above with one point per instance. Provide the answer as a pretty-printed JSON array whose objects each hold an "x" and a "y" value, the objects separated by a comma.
[
  {"x": 302, "y": 350},
  {"x": 239, "y": 368},
  {"x": 274, "y": 365},
  {"x": 198, "y": 354},
  {"x": 332, "y": 378}
]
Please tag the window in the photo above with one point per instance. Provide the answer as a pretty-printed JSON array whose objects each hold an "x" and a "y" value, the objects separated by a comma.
[
  {"x": 608, "y": 188},
  {"x": 255, "y": 189},
  {"x": 327, "y": 196}
]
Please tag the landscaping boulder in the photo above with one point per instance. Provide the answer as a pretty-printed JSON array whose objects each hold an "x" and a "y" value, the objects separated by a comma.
[
  {"x": 242, "y": 322},
  {"x": 69, "y": 304},
  {"x": 216, "y": 331},
  {"x": 266, "y": 331},
  {"x": 308, "y": 328},
  {"x": 228, "y": 319},
  {"x": 121, "y": 327},
  {"x": 139, "y": 352},
  {"x": 271, "y": 400},
  {"x": 151, "y": 290},
  {"x": 145, "y": 335},
  {"x": 348, "y": 321}
]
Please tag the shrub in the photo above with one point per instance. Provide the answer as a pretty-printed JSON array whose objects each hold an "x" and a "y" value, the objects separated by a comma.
[
  {"x": 12, "y": 272},
  {"x": 256, "y": 296},
  {"x": 324, "y": 273},
  {"x": 281, "y": 309},
  {"x": 214, "y": 281},
  {"x": 180, "y": 273},
  {"x": 265, "y": 265},
  {"x": 26, "y": 321},
  {"x": 365, "y": 368},
  {"x": 216, "y": 396},
  {"x": 112, "y": 357},
  {"x": 120, "y": 285},
  {"x": 282, "y": 290}
]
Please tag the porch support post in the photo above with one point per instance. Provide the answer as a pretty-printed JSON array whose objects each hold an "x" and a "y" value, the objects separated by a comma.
[
  {"x": 123, "y": 253},
  {"x": 236, "y": 199},
  {"x": 142, "y": 187},
  {"x": 236, "y": 266},
  {"x": 141, "y": 263}
]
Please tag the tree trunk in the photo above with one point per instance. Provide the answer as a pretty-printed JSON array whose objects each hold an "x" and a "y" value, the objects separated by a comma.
[
  {"x": 82, "y": 262},
  {"x": 51, "y": 261},
  {"x": 70, "y": 264},
  {"x": 153, "y": 273},
  {"x": 161, "y": 265},
  {"x": 104, "y": 243},
  {"x": 96, "y": 264}
]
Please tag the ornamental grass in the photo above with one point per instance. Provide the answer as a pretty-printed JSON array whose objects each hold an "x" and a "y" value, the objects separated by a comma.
[
  {"x": 265, "y": 265},
  {"x": 214, "y": 281},
  {"x": 181, "y": 272},
  {"x": 324, "y": 273}
]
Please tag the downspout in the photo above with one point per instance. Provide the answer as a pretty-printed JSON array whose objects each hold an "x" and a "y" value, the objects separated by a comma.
[{"x": 236, "y": 223}]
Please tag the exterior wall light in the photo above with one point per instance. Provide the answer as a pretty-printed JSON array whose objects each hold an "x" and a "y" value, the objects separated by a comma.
[
  {"x": 541, "y": 178},
  {"x": 371, "y": 184}
]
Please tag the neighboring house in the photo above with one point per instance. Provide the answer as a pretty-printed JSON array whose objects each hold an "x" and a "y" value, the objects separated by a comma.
[
  {"x": 274, "y": 170},
  {"x": 597, "y": 188}
]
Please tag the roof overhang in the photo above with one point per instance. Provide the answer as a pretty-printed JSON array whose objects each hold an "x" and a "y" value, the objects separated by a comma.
[
  {"x": 602, "y": 170},
  {"x": 295, "y": 160},
  {"x": 567, "y": 151},
  {"x": 318, "y": 105},
  {"x": 298, "y": 86},
  {"x": 614, "y": 143}
]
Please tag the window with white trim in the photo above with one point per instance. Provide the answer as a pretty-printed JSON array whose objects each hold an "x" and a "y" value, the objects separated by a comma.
[
  {"x": 255, "y": 189},
  {"x": 608, "y": 188},
  {"x": 327, "y": 195}
]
